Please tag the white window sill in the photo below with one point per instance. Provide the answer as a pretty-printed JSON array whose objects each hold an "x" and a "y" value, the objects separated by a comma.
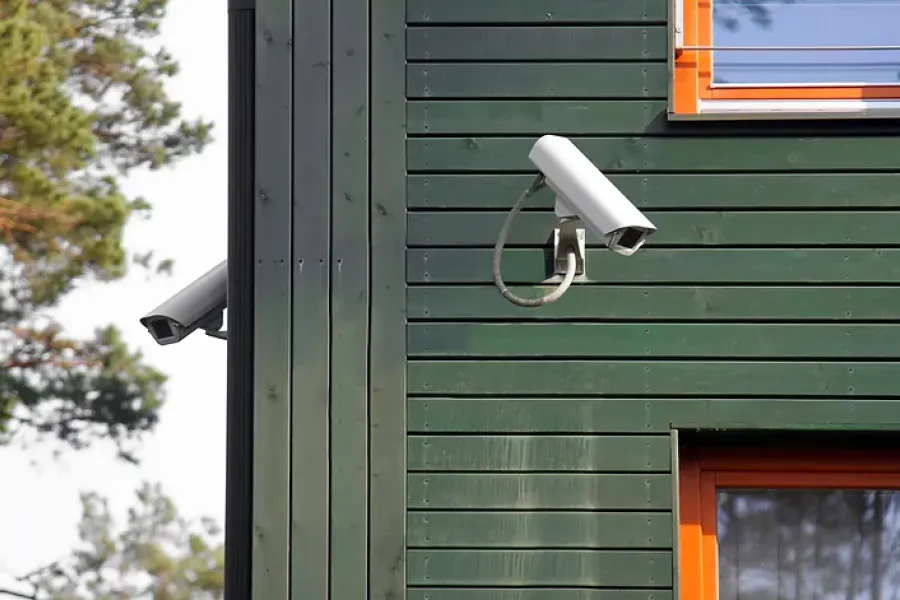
[{"x": 793, "y": 109}]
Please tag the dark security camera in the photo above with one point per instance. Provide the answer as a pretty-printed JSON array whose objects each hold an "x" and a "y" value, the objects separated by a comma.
[{"x": 198, "y": 306}]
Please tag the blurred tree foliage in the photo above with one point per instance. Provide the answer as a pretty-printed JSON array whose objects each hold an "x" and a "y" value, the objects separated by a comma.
[
  {"x": 733, "y": 14},
  {"x": 794, "y": 544},
  {"x": 82, "y": 103},
  {"x": 158, "y": 555}
]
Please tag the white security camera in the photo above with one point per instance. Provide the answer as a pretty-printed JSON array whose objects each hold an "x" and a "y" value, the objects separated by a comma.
[
  {"x": 198, "y": 306},
  {"x": 584, "y": 192}
]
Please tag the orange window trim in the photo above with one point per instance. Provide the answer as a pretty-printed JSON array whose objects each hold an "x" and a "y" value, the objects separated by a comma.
[
  {"x": 701, "y": 474},
  {"x": 693, "y": 72}
]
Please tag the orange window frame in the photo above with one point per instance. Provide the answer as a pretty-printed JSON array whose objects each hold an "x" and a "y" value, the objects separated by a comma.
[
  {"x": 700, "y": 475},
  {"x": 693, "y": 72}
]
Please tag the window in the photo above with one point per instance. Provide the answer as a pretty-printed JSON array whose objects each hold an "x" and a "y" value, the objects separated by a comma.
[
  {"x": 789, "y": 526},
  {"x": 784, "y": 58}
]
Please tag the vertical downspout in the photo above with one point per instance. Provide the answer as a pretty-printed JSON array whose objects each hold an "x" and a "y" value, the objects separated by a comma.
[{"x": 240, "y": 413}]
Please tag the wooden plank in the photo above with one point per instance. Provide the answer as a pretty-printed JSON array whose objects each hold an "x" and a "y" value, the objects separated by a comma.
[
  {"x": 272, "y": 341},
  {"x": 690, "y": 266},
  {"x": 545, "y": 44},
  {"x": 600, "y": 568},
  {"x": 793, "y": 229},
  {"x": 428, "y": 593},
  {"x": 534, "y": 11},
  {"x": 499, "y": 416},
  {"x": 493, "y": 117},
  {"x": 618, "y": 154},
  {"x": 387, "y": 346},
  {"x": 545, "y": 453},
  {"x": 602, "y": 303},
  {"x": 310, "y": 548},
  {"x": 659, "y": 378},
  {"x": 519, "y": 529},
  {"x": 654, "y": 340},
  {"x": 599, "y": 117},
  {"x": 575, "y": 491},
  {"x": 594, "y": 80},
  {"x": 784, "y": 191},
  {"x": 610, "y": 415},
  {"x": 349, "y": 267}
]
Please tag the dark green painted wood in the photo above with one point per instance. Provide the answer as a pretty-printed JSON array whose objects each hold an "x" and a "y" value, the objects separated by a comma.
[
  {"x": 535, "y": 594},
  {"x": 721, "y": 266},
  {"x": 591, "y": 117},
  {"x": 533, "y": 99},
  {"x": 829, "y": 191},
  {"x": 530, "y": 116},
  {"x": 643, "y": 415},
  {"x": 776, "y": 228},
  {"x": 604, "y": 303},
  {"x": 637, "y": 568},
  {"x": 310, "y": 296},
  {"x": 617, "y": 154},
  {"x": 468, "y": 529},
  {"x": 530, "y": 80},
  {"x": 547, "y": 453},
  {"x": 621, "y": 377},
  {"x": 534, "y": 11},
  {"x": 349, "y": 266},
  {"x": 387, "y": 345},
  {"x": 272, "y": 364},
  {"x": 655, "y": 340},
  {"x": 483, "y": 44},
  {"x": 580, "y": 491}
]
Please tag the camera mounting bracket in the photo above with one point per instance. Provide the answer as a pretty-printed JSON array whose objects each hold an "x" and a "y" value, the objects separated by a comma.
[
  {"x": 213, "y": 325},
  {"x": 568, "y": 237}
]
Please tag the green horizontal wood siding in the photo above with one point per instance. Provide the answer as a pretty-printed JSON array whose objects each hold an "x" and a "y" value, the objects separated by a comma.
[
  {"x": 528, "y": 529},
  {"x": 657, "y": 266},
  {"x": 539, "y": 447},
  {"x": 517, "y": 116},
  {"x": 666, "y": 154},
  {"x": 546, "y": 453},
  {"x": 539, "y": 491},
  {"x": 788, "y": 229},
  {"x": 561, "y": 414},
  {"x": 534, "y": 11},
  {"x": 676, "y": 191},
  {"x": 657, "y": 377},
  {"x": 571, "y": 117},
  {"x": 654, "y": 340},
  {"x": 485, "y": 43},
  {"x": 536, "y": 593},
  {"x": 586, "y": 80},
  {"x": 664, "y": 303},
  {"x": 597, "y": 568}
]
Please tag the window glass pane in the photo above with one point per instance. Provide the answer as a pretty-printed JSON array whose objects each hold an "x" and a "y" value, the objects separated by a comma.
[
  {"x": 809, "y": 544},
  {"x": 759, "y": 24}
]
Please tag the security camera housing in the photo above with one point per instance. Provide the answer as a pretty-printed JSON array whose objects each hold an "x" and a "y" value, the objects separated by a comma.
[
  {"x": 582, "y": 191},
  {"x": 199, "y": 305}
]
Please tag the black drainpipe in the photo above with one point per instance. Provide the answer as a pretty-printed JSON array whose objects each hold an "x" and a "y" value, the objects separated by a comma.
[{"x": 241, "y": 164}]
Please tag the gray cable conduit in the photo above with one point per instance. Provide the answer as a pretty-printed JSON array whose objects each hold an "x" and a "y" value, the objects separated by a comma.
[{"x": 571, "y": 259}]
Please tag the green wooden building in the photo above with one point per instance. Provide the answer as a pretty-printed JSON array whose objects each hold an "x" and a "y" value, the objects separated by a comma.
[{"x": 400, "y": 431}]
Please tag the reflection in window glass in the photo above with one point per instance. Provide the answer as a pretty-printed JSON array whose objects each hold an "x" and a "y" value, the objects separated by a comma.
[
  {"x": 809, "y": 544},
  {"x": 759, "y": 24}
]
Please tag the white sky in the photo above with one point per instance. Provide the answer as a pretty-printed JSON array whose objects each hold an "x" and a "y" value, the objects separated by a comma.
[{"x": 39, "y": 506}]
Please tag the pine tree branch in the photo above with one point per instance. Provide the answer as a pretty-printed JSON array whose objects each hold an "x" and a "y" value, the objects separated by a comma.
[{"x": 15, "y": 594}]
